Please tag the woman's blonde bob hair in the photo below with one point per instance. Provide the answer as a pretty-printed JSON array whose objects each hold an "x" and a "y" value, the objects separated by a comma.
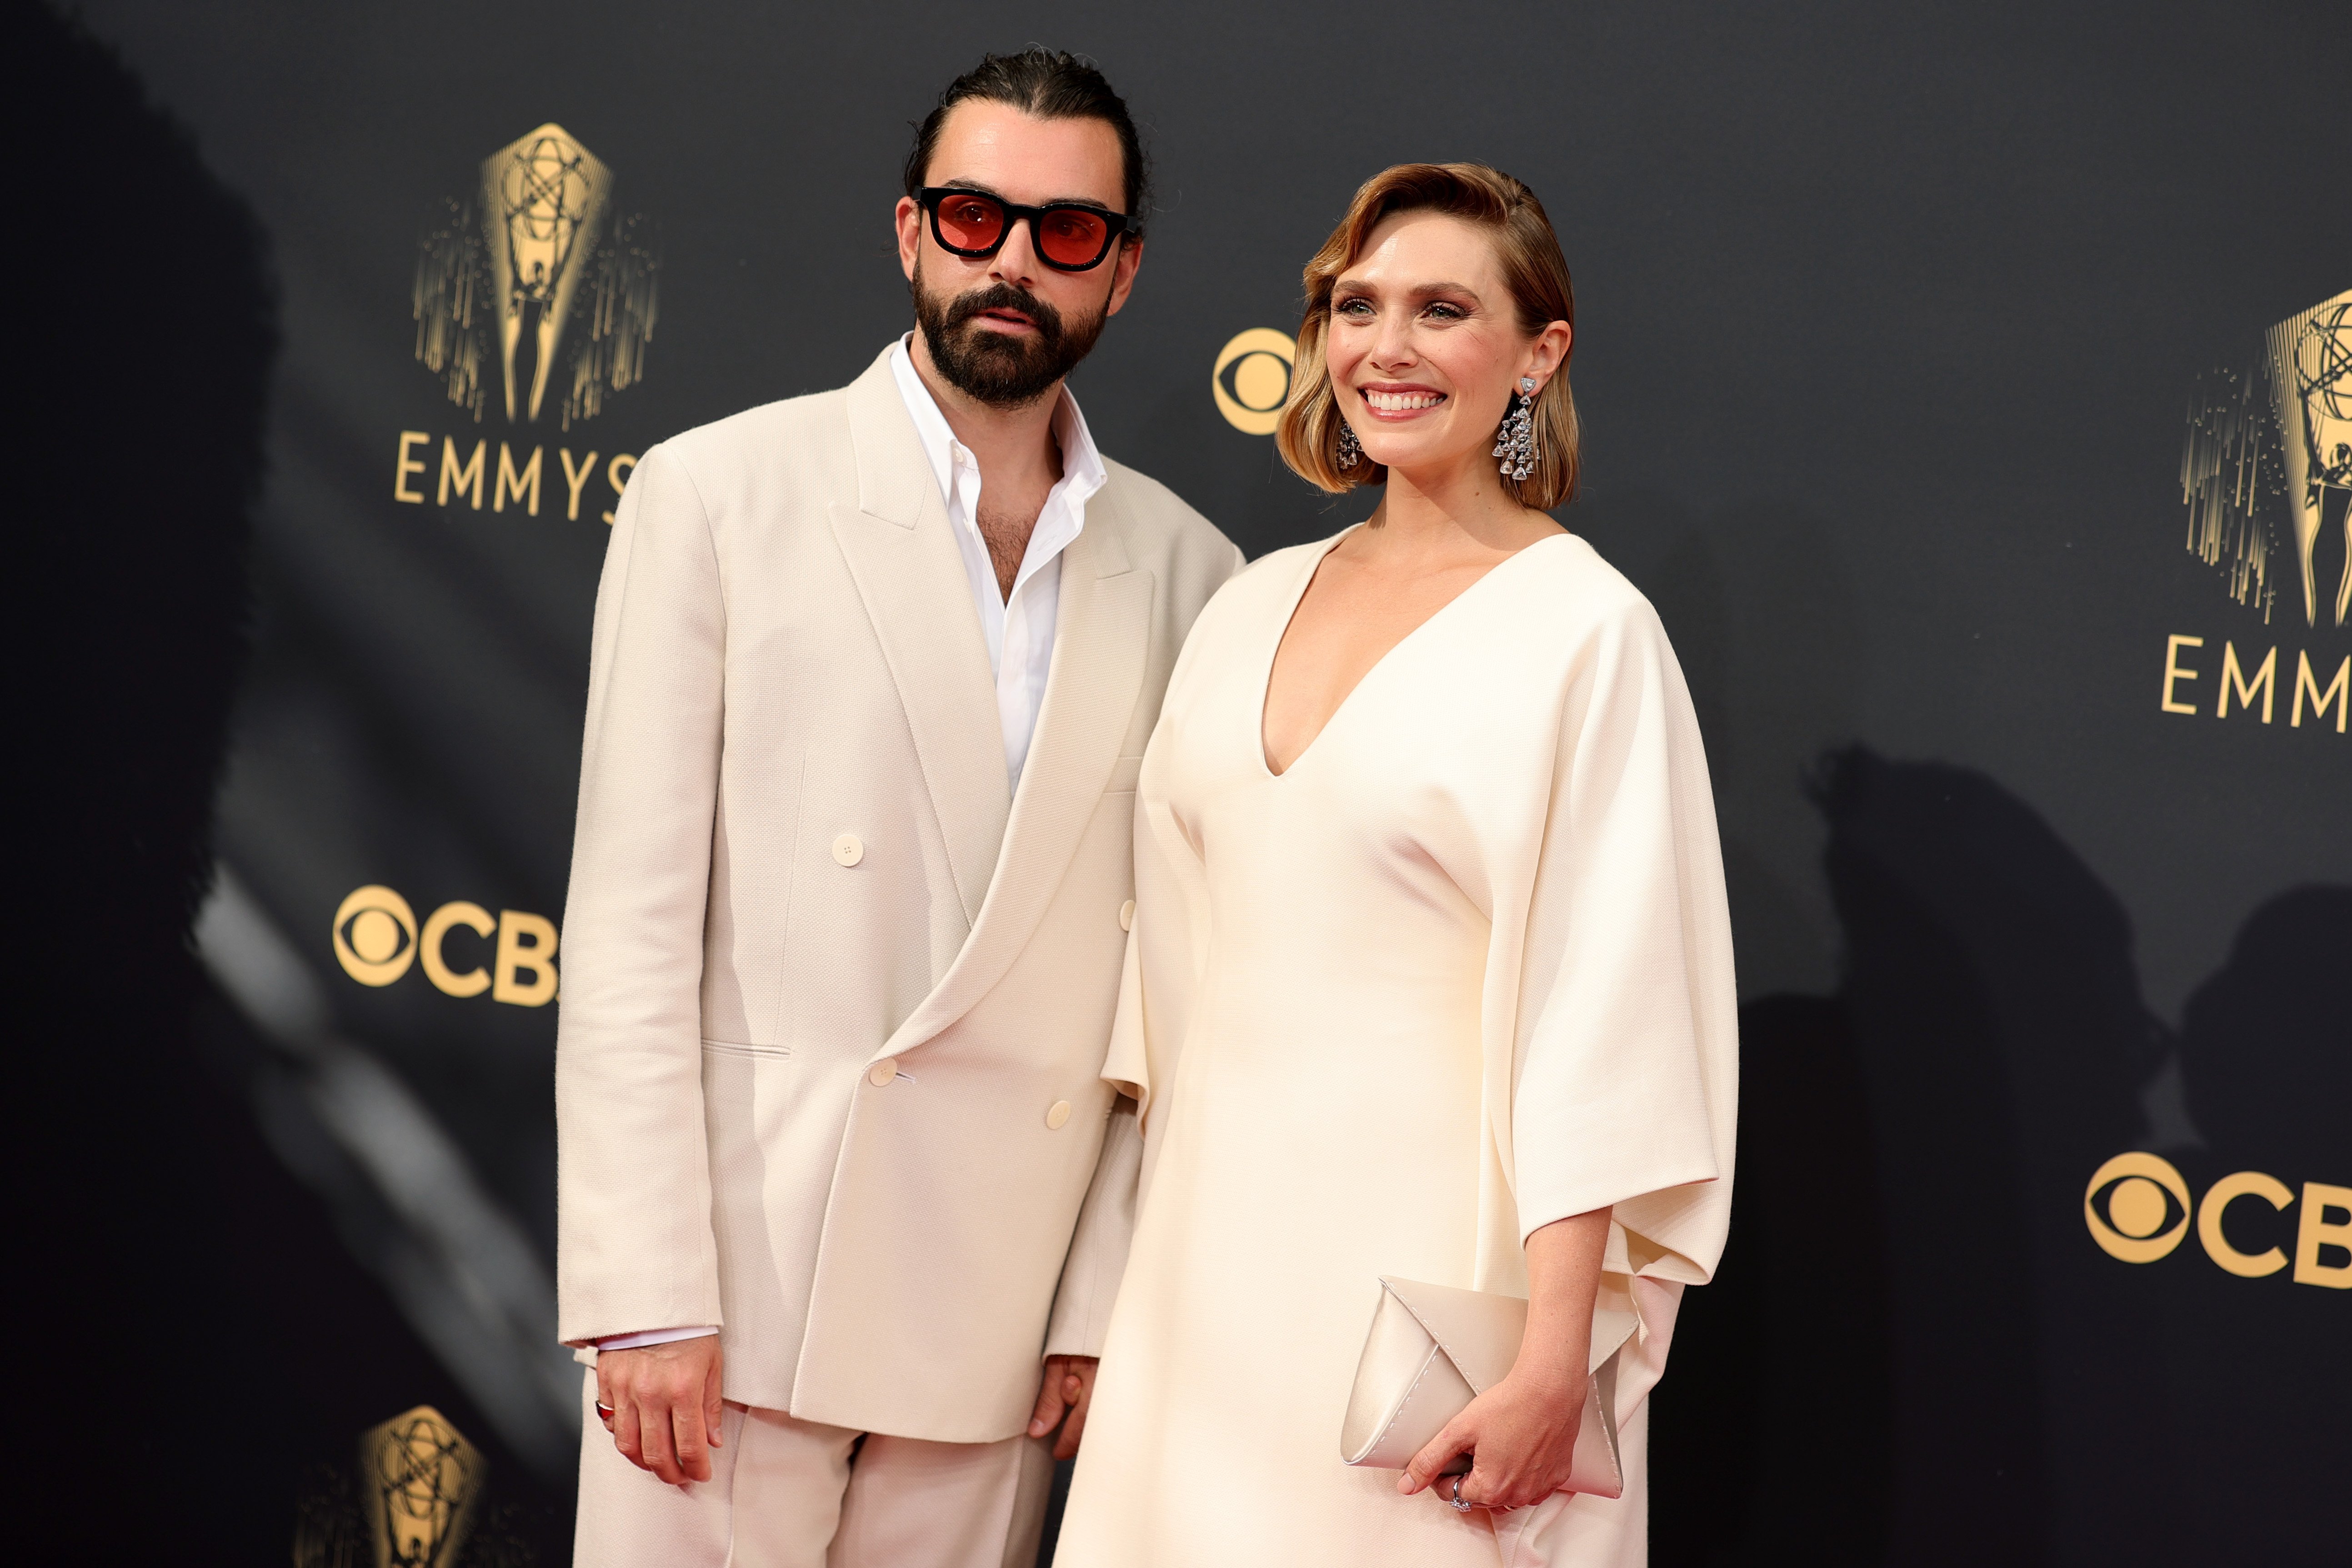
[{"x": 1533, "y": 270}]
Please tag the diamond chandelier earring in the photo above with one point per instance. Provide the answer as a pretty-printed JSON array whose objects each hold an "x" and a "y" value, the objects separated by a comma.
[
  {"x": 1516, "y": 442},
  {"x": 1350, "y": 450}
]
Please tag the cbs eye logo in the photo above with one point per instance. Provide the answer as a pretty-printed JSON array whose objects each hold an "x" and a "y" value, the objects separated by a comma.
[
  {"x": 377, "y": 939},
  {"x": 1252, "y": 378},
  {"x": 376, "y": 935},
  {"x": 2148, "y": 1208},
  {"x": 2139, "y": 1210}
]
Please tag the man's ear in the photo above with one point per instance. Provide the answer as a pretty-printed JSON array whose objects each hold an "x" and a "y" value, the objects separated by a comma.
[
  {"x": 910, "y": 235},
  {"x": 1123, "y": 271}
]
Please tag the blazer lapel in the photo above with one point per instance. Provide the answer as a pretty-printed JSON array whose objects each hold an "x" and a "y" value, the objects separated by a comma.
[
  {"x": 1101, "y": 643},
  {"x": 911, "y": 578}
]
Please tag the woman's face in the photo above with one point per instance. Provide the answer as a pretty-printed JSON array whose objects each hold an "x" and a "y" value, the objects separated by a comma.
[{"x": 1424, "y": 348}]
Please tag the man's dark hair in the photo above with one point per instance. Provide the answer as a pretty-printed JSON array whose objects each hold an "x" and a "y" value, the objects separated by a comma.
[{"x": 1050, "y": 85}]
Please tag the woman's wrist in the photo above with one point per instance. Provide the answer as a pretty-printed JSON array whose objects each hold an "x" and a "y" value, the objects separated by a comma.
[{"x": 1562, "y": 1368}]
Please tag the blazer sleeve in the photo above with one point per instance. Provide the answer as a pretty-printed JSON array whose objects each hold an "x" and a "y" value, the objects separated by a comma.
[
  {"x": 636, "y": 1249},
  {"x": 1155, "y": 1004},
  {"x": 1098, "y": 1248},
  {"x": 1626, "y": 1058}
]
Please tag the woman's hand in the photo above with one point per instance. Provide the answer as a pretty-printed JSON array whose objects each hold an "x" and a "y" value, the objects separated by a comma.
[{"x": 1520, "y": 1435}]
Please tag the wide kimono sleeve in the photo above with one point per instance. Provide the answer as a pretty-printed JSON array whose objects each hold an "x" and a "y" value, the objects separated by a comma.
[
  {"x": 635, "y": 1250},
  {"x": 1623, "y": 1037}
]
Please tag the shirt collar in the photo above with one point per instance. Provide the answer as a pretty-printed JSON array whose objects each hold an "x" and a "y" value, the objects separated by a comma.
[{"x": 1082, "y": 466}]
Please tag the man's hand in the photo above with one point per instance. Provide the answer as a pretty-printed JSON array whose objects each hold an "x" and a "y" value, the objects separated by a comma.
[
  {"x": 665, "y": 1405},
  {"x": 1068, "y": 1383}
]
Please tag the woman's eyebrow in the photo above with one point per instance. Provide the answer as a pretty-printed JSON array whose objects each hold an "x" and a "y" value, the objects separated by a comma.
[{"x": 1418, "y": 290}]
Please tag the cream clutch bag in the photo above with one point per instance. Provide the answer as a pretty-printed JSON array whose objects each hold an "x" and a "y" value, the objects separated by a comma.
[{"x": 1432, "y": 1349}]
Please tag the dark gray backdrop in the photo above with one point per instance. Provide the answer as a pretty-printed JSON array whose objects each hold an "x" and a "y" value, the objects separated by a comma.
[{"x": 1889, "y": 318}]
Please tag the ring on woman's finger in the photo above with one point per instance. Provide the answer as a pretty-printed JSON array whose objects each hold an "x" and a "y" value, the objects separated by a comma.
[
  {"x": 1462, "y": 1505},
  {"x": 603, "y": 1411}
]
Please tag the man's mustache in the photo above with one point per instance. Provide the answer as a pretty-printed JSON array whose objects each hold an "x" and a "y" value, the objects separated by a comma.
[{"x": 1005, "y": 297}]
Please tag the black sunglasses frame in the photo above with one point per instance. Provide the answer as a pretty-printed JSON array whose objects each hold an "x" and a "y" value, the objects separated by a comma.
[{"x": 1116, "y": 226}]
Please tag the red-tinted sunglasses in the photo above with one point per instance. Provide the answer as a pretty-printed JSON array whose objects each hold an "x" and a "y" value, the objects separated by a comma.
[{"x": 1070, "y": 236}]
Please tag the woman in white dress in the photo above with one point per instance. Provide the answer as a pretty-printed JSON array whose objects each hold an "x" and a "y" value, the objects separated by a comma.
[{"x": 1431, "y": 971}]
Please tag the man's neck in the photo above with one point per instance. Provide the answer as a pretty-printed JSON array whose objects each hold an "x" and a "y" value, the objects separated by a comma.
[{"x": 1014, "y": 446}]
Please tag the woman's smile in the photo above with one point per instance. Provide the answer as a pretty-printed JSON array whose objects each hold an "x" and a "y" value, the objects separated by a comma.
[{"x": 1392, "y": 401}]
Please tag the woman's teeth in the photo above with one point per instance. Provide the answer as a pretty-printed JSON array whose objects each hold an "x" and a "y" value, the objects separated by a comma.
[{"x": 1404, "y": 401}]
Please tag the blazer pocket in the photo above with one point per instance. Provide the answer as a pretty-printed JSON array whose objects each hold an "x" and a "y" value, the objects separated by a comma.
[
  {"x": 754, "y": 1053},
  {"x": 1123, "y": 774}
]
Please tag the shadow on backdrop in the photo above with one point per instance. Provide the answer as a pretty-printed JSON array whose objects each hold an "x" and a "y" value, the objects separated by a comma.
[
  {"x": 2266, "y": 1061},
  {"x": 208, "y": 1353},
  {"x": 1871, "y": 1379}
]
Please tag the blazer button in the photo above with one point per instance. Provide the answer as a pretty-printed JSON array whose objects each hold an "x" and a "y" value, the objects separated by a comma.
[
  {"x": 1127, "y": 915},
  {"x": 880, "y": 1074},
  {"x": 1058, "y": 1114},
  {"x": 847, "y": 850}
]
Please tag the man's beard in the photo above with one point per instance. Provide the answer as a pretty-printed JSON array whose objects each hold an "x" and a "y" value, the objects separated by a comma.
[{"x": 1002, "y": 370}]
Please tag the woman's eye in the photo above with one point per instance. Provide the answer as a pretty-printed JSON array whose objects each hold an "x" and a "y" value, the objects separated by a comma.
[
  {"x": 1445, "y": 312},
  {"x": 1357, "y": 308}
]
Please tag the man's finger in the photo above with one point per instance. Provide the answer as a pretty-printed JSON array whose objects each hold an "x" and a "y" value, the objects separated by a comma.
[
  {"x": 1074, "y": 1430},
  {"x": 1048, "y": 1410},
  {"x": 687, "y": 1440},
  {"x": 602, "y": 1403},
  {"x": 1049, "y": 1398},
  {"x": 713, "y": 1413},
  {"x": 657, "y": 1453},
  {"x": 627, "y": 1431}
]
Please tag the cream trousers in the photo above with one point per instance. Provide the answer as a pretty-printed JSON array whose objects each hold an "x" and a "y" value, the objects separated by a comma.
[{"x": 792, "y": 1494}]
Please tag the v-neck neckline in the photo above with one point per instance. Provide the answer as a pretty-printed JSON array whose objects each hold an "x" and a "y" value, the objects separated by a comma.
[{"x": 1290, "y": 613}]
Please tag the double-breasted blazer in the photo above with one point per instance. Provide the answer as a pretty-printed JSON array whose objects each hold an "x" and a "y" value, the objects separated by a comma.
[{"x": 836, "y": 999}]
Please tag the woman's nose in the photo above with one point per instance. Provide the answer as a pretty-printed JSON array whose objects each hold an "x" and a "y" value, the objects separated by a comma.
[{"x": 1393, "y": 341}]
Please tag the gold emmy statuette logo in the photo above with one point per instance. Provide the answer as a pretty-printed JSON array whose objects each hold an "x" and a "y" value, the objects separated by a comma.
[
  {"x": 1252, "y": 378},
  {"x": 420, "y": 1481},
  {"x": 376, "y": 935},
  {"x": 2266, "y": 470},
  {"x": 2311, "y": 392},
  {"x": 2140, "y": 1225},
  {"x": 377, "y": 938},
  {"x": 537, "y": 284},
  {"x": 2139, "y": 1210},
  {"x": 2267, "y": 476}
]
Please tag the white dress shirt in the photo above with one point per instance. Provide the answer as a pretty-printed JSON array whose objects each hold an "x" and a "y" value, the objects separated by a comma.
[{"x": 1019, "y": 630}]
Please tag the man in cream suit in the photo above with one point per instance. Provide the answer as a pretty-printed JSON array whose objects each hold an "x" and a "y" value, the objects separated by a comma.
[{"x": 872, "y": 677}]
